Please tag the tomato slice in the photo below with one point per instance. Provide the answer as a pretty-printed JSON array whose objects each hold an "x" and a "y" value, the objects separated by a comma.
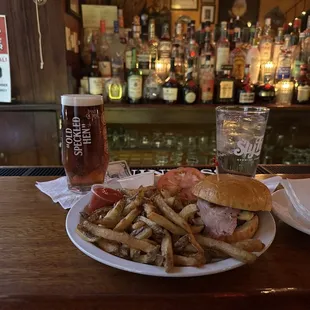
[
  {"x": 103, "y": 197},
  {"x": 180, "y": 182}
]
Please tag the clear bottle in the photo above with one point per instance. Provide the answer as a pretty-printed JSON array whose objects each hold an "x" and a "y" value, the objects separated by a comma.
[
  {"x": 296, "y": 32},
  {"x": 266, "y": 42},
  {"x": 134, "y": 81},
  {"x": 128, "y": 52},
  {"x": 192, "y": 51},
  {"x": 307, "y": 30},
  {"x": 253, "y": 59},
  {"x": 114, "y": 88},
  {"x": 117, "y": 51},
  {"x": 94, "y": 77},
  {"x": 207, "y": 81},
  {"x": 302, "y": 87},
  {"x": 222, "y": 49},
  {"x": 278, "y": 45},
  {"x": 285, "y": 60},
  {"x": 143, "y": 50},
  {"x": 171, "y": 86},
  {"x": 104, "y": 52},
  {"x": 207, "y": 48},
  {"x": 165, "y": 45},
  {"x": 176, "y": 53},
  {"x": 190, "y": 88},
  {"x": 152, "y": 90},
  {"x": 299, "y": 57}
]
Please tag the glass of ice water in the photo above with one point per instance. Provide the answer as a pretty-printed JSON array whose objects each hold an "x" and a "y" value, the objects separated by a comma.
[{"x": 240, "y": 133}]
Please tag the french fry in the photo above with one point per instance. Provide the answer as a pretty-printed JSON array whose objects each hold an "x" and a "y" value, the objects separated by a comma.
[
  {"x": 189, "y": 249},
  {"x": 86, "y": 235},
  {"x": 250, "y": 245},
  {"x": 108, "y": 246},
  {"x": 181, "y": 243},
  {"x": 197, "y": 229},
  {"x": 227, "y": 248},
  {"x": 137, "y": 225},
  {"x": 135, "y": 203},
  {"x": 146, "y": 258},
  {"x": 124, "y": 223},
  {"x": 170, "y": 201},
  {"x": 121, "y": 237},
  {"x": 156, "y": 228},
  {"x": 188, "y": 211},
  {"x": 113, "y": 216},
  {"x": 148, "y": 208},
  {"x": 163, "y": 222},
  {"x": 167, "y": 252},
  {"x": 144, "y": 233},
  {"x": 180, "y": 260}
]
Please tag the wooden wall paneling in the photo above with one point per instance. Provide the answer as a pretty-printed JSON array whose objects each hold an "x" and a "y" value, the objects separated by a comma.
[{"x": 30, "y": 84}]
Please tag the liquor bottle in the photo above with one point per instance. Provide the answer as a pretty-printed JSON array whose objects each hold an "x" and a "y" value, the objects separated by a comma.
[
  {"x": 307, "y": 30},
  {"x": 253, "y": 58},
  {"x": 153, "y": 40},
  {"x": 165, "y": 45},
  {"x": 246, "y": 93},
  {"x": 296, "y": 31},
  {"x": 134, "y": 81},
  {"x": 302, "y": 87},
  {"x": 237, "y": 34},
  {"x": 207, "y": 48},
  {"x": 143, "y": 51},
  {"x": 266, "y": 41},
  {"x": 152, "y": 90},
  {"x": 190, "y": 88},
  {"x": 202, "y": 35},
  {"x": 171, "y": 86},
  {"x": 237, "y": 57},
  {"x": 192, "y": 50},
  {"x": 231, "y": 32},
  {"x": 176, "y": 53},
  {"x": 278, "y": 45},
  {"x": 122, "y": 36},
  {"x": 128, "y": 52},
  {"x": 104, "y": 52},
  {"x": 94, "y": 77},
  {"x": 266, "y": 92},
  {"x": 285, "y": 61},
  {"x": 207, "y": 81},
  {"x": 222, "y": 49},
  {"x": 114, "y": 88},
  {"x": 299, "y": 57},
  {"x": 225, "y": 86},
  {"x": 117, "y": 51}
]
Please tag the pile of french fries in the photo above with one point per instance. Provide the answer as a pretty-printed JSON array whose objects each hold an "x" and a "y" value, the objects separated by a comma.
[{"x": 147, "y": 228}]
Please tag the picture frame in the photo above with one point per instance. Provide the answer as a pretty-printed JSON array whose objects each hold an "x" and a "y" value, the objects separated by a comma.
[
  {"x": 73, "y": 7},
  {"x": 207, "y": 2},
  {"x": 187, "y": 5},
  {"x": 207, "y": 13}
]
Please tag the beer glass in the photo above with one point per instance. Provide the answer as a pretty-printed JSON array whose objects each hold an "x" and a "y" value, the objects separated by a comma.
[
  {"x": 84, "y": 141},
  {"x": 239, "y": 138}
]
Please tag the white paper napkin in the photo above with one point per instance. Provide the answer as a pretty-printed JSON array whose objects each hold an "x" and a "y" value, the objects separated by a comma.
[
  {"x": 298, "y": 193},
  {"x": 59, "y": 192}
]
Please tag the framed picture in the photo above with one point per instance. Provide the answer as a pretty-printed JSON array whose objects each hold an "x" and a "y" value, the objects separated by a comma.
[
  {"x": 73, "y": 8},
  {"x": 207, "y": 13},
  {"x": 247, "y": 10},
  {"x": 184, "y": 5},
  {"x": 207, "y": 2}
]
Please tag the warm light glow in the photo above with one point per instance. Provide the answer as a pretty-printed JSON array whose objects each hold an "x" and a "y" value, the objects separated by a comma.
[
  {"x": 290, "y": 24},
  {"x": 249, "y": 24},
  {"x": 269, "y": 65},
  {"x": 303, "y": 12}
]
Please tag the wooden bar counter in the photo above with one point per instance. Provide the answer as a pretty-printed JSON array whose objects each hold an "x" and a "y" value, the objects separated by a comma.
[{"x": 41, "y": 269}]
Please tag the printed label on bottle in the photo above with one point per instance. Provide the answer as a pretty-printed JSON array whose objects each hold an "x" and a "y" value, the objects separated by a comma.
[
  {"x": 164, "y": 49},
  {"x": 303, "y": 93},
  {"x": 115, "y": 91},
  {"x": 190, "y": 97},
  {"x": 296, "y": 68},
  {"x": 226, "y": 89},
  {"x": 135, "y": 87},
  {"x": 246, "y": 98},
  {"x": 264, "y": 93},
  {"x": 276, "y": 53},
  {"x": 238, "y": 67},
  {"x": 128, "y": 59},
  {"x": 152, "y": 90},
  {"x": 265, "y": 51},
  {"x": 207, "y": 89},
  {"x": 95, "y": 85},
  {"x": 170, "y": 94},
  {"x": 144, "y": 64},
  {"x": 105, "y": 68},
  {"x": 249, "y": 150},
  {"x": 222, "y": 57},
  {"x": 284, "y": 73}
]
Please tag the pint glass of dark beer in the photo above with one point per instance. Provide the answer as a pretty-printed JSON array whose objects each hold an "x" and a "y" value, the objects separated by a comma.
[{"x": 84, "y": 141}]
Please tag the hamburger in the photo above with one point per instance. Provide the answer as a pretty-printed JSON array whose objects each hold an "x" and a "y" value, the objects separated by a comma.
[{"x": 228, "y": 205}]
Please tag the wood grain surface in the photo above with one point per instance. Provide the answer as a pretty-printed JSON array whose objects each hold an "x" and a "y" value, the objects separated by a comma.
[{"x": 41, "y": 269}]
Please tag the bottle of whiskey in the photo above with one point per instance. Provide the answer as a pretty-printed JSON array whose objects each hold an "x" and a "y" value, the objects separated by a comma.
[
  {"x": 94, "y": 78},
  {"x": 171, "y": 86},
  {"x": 134, "y": 81},
  {"x": 246, "y": 93},
  {"x": 225, "y": 86},
  {"x": 114, "y": 88},
  {"x": 190, "y": 89},
  {"x": 164, "y": 47},
  {"x": 104, "y": 52},
  {"x": 153, "y": 40},
  {"x": 266, "y": 42},
  {"x": 207, "y": 48},
  {"x": 222, "y": 49}
]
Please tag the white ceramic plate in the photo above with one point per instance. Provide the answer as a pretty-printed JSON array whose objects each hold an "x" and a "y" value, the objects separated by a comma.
[
  {"x": 280, "y": 208},
  {"x": 266, "y": 233}
]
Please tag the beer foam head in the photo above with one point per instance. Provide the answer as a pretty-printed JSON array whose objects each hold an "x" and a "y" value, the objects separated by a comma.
[{"x": 81, "y": 100}]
